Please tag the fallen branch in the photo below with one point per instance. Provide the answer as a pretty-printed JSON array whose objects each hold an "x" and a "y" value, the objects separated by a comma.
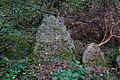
[{"x": 111, "y": 35}]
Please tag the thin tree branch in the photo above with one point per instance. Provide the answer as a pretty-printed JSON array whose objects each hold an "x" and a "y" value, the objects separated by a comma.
[{"x": 105, "y": 41}]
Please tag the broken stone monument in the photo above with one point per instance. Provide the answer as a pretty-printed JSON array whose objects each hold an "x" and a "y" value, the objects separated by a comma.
[
  {"x": 93, "y": 55},
  {"x": 54, "y": 43}
]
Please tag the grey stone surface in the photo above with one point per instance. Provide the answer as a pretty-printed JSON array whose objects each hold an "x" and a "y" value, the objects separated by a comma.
[
  {"x": 93, "y": 55},
  {"x": 118, "y": 61},
  {"x": 54, "y": 42}
]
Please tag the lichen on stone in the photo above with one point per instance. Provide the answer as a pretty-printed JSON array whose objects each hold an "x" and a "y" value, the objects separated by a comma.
[
  {"x": 93, "y": 55},
  {"x": 54, "y": 42}
]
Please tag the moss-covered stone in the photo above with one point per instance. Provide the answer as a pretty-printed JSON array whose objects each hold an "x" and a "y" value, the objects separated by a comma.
[
  {"x": 93, "y": 55},
  {"x": 15, "y": 47},
  {"x": 54, "y": 43}
]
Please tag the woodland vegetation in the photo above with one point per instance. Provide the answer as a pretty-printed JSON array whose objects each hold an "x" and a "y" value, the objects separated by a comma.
[{"x": 87, "y": 21}]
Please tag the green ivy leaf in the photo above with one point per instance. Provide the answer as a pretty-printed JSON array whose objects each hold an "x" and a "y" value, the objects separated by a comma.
[
  {"x": 13, "y": 77},
  {"x": 69, "y": 72},
  {"x": 75, "y": 75},
  {"x": 65, "y": 78},
  {"x": 54, "y": 78},
  {"x": 82, "y": 77}
]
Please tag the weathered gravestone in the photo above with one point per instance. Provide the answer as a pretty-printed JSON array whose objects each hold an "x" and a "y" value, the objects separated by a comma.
[
  {"x": 93, "y": 55},
  {"x": 54, "y": 43}
]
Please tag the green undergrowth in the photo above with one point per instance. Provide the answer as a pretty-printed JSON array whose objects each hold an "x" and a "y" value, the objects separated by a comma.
[
  {"x": 17, "y": 70},
  {"x": 75, "y": 71},
  {"x": 112, "y": 55},
  {"x": 15, "y": 44},
  {"x": 24, "y": 70}
]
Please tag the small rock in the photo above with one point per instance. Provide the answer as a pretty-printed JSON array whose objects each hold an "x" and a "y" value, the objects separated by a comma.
[
  {"x": 118, "y": 61},
  {"x": 93, "y": 55}
]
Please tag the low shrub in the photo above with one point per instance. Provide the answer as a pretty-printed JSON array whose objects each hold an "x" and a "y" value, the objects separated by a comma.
[
  {"x": 112, "y": 57},
  {"x": 75, "y": 72},
  {"x": 19, "y": 70},
  {"x": 15, "y": 44}
]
